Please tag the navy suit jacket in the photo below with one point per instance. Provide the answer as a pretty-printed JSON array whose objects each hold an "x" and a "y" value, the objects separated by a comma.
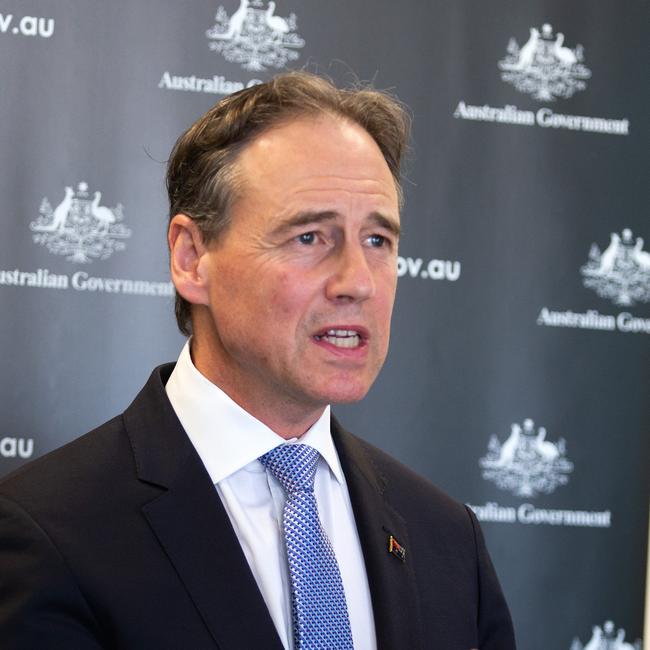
[{"x": 119, "y": 540}]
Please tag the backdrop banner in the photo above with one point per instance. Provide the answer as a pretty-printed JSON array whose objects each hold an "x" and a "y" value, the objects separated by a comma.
[{"x": 520, "y": 360}]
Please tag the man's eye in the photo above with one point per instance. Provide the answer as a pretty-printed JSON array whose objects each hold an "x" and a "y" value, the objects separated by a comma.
[
  {"x": 377, "y": 241},
  {"x": 307, "y": 238}
]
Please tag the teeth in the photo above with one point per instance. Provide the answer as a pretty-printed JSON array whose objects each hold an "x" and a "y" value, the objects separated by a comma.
[
  {"x": 343, "y": 341},
  {"x": 342, "y": 338},
  {"x": 341, "y": 333}
]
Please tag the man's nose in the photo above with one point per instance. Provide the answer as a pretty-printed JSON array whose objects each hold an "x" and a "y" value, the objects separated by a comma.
[{"x": 352, "y": 277}]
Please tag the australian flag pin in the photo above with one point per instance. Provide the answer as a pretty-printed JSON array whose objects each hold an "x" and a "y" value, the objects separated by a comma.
[{"x": 396, "y": 549}]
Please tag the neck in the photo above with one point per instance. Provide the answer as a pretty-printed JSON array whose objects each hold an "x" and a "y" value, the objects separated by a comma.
[{"x": 286, "y": 419}]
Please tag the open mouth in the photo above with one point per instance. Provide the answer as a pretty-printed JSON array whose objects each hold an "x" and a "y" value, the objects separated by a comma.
[{"x": 341, "y": 338}]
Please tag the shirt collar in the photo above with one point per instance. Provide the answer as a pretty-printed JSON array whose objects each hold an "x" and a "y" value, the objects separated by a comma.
[{"x": 226, "y": 437}]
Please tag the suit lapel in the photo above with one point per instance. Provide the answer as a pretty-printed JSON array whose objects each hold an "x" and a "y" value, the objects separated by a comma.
[
  {"x": 392, "y": 582},
  {"x": 193, "y": 527}
]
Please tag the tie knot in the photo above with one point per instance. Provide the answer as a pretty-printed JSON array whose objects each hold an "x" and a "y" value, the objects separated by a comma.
[{"x": 294, "y": 465}]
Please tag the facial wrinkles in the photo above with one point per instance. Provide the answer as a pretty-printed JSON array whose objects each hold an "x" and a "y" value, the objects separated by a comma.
[
  {"x": 333, "y": 232},
  {"x": 354, "y": 215},
  {"x": 368, "y": 189},
  {"x": 358, "y": 175}
]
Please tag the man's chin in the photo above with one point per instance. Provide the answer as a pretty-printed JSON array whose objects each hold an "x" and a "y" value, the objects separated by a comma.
[{"x": 347, "y": 393}]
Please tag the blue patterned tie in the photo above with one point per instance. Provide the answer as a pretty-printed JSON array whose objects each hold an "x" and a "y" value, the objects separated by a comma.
[{"x": 320, "y": 614}]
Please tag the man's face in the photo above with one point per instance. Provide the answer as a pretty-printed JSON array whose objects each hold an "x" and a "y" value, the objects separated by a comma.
[{"x": 301, "y": 285}]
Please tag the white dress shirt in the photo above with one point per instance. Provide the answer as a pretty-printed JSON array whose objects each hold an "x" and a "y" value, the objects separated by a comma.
[{"x": 229, "y": 441}]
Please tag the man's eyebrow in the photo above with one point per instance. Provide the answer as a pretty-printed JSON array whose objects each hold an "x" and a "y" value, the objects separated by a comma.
[
  {"x": 315, "y": 217},
  {"x": 305, "y": 218},
  {"x": 386, "y": 222}
]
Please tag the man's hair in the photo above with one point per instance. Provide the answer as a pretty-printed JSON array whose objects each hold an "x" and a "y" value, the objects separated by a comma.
[{"x": 202, "y": 179}]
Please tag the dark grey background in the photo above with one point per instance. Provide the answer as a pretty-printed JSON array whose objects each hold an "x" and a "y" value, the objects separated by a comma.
[{"x": 519, "y": 207}]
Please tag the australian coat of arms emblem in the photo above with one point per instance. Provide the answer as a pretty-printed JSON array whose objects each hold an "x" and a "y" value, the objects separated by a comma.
[
  {"x": 621, "y": 272},
  {"x": 255, "y": 36},
  {"x": 544, "y": 66},
  {"x": 526, "y": 463},
  {"x": 606, "y": 637},
  {"x": 79, "y": 227}
]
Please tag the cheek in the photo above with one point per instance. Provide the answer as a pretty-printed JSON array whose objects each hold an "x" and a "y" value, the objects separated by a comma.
[
  {"x": 288, "y": 294},
  {"x": 235, "y": 297},
  {"x": 385, "y": 302},
  {"x": 386, "y": 289}
]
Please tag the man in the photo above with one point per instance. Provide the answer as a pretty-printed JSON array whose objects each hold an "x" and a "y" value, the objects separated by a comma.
[{"x": 182, "y": 523}]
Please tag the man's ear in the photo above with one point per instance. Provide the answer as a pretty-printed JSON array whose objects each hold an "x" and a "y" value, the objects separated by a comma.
[{"x": 186, "y": 248}]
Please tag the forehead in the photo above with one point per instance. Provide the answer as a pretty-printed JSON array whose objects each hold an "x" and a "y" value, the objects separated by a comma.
[{"x": 312, "y": 153}]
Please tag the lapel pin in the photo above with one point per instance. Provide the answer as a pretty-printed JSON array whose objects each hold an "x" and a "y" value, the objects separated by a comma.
[{"x": 396, "y": 549}]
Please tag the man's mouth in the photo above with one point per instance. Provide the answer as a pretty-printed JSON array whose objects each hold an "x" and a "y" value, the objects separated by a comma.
[{"x": 341, "y": 338}]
